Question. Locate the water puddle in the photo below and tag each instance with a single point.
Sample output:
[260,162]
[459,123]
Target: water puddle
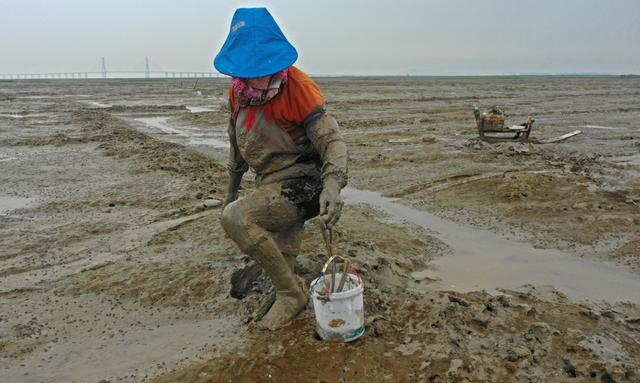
[53,96]
[4,158]
[482,260]
[98,104]
[210,141]
[159,123]
[9,203]
[184,136]
[199,109]
[43,97]
[631,160]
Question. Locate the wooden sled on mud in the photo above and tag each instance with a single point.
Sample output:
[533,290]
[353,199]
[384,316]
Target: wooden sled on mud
[491,126]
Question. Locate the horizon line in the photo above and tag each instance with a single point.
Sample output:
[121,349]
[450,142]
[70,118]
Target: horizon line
[28,76]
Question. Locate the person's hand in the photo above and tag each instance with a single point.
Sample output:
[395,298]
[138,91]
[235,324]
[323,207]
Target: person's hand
[330,202]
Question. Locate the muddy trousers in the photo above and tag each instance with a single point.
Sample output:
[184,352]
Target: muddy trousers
[267,226]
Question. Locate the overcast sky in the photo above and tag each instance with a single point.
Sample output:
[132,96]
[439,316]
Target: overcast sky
[430,37]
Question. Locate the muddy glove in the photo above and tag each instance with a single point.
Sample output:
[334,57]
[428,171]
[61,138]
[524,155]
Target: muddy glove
[237,165]
[330,202]
[322,131]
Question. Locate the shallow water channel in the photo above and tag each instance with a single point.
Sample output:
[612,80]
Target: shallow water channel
[482,260]
[185,135]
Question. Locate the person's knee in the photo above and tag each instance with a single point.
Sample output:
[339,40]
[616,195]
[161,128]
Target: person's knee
[232,220]
[241,229]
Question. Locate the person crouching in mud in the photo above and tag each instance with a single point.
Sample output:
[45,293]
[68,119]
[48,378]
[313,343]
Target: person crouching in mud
[279,129]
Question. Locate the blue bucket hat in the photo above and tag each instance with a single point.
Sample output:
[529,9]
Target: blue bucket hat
[255,46]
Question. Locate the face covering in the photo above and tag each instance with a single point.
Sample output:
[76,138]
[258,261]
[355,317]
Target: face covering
[248,95]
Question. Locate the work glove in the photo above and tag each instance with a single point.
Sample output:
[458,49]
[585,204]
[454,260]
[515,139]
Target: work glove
[330,202]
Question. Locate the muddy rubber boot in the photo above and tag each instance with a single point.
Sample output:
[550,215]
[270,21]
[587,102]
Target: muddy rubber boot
[242,279]
[291,261]
[289,242]
[290,298]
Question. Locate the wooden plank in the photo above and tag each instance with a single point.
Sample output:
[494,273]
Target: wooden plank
[561,138]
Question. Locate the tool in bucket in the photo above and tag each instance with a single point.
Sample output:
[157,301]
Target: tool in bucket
[338,305]
[329,284]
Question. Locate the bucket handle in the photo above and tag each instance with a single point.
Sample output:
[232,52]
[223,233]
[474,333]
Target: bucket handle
[327,235]
[325,295]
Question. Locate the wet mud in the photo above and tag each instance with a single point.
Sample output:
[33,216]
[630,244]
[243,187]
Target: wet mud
[511,262]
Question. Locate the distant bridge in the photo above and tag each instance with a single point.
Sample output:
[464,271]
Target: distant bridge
[104,74]
[110,74]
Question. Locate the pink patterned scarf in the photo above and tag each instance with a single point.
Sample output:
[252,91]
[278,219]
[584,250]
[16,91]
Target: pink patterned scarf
[247,95]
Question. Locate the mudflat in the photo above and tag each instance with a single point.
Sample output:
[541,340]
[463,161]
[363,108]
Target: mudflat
[507,262]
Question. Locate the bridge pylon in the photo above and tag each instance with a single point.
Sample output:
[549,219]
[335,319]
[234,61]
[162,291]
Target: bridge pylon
[103,68]
[147,70]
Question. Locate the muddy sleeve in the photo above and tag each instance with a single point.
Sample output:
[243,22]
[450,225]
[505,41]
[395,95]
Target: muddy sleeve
[237,164]
[322,130]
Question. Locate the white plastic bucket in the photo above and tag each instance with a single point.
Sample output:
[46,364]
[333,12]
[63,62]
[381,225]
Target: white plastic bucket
[341,316]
